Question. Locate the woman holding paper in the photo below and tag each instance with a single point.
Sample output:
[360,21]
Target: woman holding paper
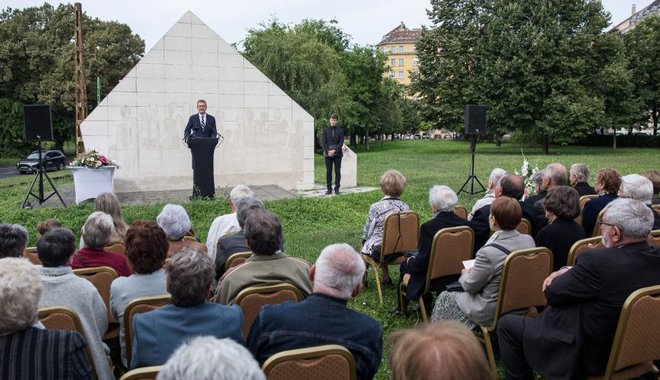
[481,283]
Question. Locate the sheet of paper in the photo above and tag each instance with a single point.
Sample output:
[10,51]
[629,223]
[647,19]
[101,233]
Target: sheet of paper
[468,263]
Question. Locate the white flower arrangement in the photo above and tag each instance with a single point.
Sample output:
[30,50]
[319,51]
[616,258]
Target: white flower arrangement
[526,172]
[93,160]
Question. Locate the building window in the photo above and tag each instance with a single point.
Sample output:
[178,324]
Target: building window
[400,49]
[393,62]
[400,61]
[415,61]
[400,73]
[392,49]
[392,74]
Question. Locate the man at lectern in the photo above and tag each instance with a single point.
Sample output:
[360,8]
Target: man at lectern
[200,124]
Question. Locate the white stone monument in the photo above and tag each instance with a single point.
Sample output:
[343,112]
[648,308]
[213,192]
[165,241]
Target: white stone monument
[268,138]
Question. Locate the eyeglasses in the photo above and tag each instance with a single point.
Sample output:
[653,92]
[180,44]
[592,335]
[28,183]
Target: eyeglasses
[601,223]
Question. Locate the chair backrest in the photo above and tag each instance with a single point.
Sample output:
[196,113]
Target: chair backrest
[522,280]
[101,278]
[450,247]
[634,342]
[586,198]
[328,362]
[582,245]
[138,306]
[599,218]
[252,298]
[524,227]
[654,238]
[400,233]
[190,238]
[237,259]
[31,254]
[461,211]
[116,247]
[656,207]
[64,318]
[144,373]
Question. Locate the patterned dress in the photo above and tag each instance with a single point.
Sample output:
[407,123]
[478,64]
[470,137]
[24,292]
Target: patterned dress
[373,229]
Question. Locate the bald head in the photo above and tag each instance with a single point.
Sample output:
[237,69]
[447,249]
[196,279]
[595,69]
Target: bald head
[555,175]
[512,186]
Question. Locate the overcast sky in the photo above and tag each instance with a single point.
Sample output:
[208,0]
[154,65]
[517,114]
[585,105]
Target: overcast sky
[365,20]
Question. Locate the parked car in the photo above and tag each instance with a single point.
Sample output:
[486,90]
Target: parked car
[52,159]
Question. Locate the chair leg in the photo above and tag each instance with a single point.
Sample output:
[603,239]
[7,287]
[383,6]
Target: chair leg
[489,351]
[378,287]
[365,278]
[422,309]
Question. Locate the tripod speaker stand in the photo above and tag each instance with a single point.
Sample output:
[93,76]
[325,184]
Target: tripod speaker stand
[472,178]
[475,124]
[37,125]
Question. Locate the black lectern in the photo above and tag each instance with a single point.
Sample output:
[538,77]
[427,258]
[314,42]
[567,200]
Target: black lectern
[202,156]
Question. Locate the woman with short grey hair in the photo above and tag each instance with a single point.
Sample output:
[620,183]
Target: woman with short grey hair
[96,233]
[174,220]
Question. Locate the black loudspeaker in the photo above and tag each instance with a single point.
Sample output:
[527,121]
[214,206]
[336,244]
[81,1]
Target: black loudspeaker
[475,119]
[38,124]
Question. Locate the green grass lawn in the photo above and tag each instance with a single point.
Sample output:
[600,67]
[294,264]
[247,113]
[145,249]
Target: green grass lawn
[310,224]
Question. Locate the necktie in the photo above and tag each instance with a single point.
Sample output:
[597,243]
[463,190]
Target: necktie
[203,122]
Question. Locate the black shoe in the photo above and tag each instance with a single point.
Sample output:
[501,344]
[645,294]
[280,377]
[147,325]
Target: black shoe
[337,192]
[329,192]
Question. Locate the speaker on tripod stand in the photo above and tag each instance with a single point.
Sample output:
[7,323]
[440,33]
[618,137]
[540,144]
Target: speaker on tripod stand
[39,127]
[475,125]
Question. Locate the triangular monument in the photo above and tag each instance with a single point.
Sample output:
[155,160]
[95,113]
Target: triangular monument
[268,138]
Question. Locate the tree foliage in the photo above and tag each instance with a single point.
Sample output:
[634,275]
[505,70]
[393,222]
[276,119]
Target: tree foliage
[37,61]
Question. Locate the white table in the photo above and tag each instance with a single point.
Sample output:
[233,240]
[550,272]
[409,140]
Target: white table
[89,183]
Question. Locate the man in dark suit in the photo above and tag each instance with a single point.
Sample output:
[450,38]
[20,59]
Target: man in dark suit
[442,200]
[200,124]
[573,337]
[333,141]
[639,188]
[512,186]
[579,177]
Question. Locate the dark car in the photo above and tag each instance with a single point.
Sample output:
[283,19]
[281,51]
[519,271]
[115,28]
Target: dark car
[52,159]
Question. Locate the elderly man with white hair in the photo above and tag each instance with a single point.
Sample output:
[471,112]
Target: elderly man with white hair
[442,200]
[573,336]
[579,179]
[175,222]
[323,317]
[489,197]
[29,352]
[227,224]
[639,188]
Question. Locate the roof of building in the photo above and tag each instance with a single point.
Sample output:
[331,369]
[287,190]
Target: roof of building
[401,34]
[630,23]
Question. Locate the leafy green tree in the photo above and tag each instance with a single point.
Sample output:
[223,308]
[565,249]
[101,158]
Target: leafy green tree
[643,48]
[37,59]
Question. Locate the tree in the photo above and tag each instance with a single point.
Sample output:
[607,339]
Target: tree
[37,59]
[643,47]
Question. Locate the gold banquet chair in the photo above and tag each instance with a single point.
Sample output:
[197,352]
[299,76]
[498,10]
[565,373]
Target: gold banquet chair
[597,227]
[636,341]
[582,245]
[138,306]
[521,289]
[101,278]
[237,259]
[524,227]
[116,247]
[252,298]
[31,254]
[461,211]
[327,362]
[654,238]
[400,235]
[144,373]
[450,247]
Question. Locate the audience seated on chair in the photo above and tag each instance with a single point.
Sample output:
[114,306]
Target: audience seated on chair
[63,288]
[607,186]
[442,200]
[554,174]
[392,184]
[323,317]
[158,333]
[438,350]
[226,224]
[639,188]
[235,243]
[579,179]
[562,206]
[209,358]
[13,240]
[268,264]
[511,186]
[174,220]
[146,251]
[109,204]
[96,234]
[489,197]
[539,190]
[654,176]
[572,338]
[475,305]
[28,352]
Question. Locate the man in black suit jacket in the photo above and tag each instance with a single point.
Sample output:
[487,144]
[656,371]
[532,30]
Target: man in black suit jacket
[579,175]
[573,337]
[512,186]
[200,124]
[333,141]
[442,199]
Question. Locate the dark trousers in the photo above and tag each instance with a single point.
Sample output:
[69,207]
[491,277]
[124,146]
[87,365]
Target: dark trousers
[329,161]
[510,331]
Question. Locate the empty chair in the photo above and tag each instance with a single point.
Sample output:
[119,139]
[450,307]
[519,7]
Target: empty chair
[328,362]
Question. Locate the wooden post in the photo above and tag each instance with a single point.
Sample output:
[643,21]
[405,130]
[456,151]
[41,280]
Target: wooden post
[81,87]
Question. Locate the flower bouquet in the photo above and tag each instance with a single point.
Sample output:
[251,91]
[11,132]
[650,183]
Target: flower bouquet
[526,172]
[93,160]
